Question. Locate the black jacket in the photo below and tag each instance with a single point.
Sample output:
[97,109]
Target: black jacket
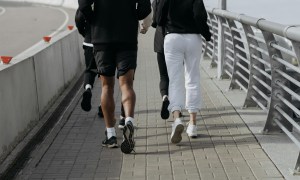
[159,32]
[183,17]
[84,27]
[114,21]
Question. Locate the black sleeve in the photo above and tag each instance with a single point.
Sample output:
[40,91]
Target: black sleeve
[85,6]
[143,9]
[80,22]
[200,16]
[154,23]
[162,10]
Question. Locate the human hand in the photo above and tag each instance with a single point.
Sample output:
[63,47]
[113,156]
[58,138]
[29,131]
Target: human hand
[143,29]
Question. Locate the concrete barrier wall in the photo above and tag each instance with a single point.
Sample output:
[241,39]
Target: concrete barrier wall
[64,3]
[18,102]
[33,81]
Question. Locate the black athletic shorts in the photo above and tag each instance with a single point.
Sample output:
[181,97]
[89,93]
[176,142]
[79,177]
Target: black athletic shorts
[108,61]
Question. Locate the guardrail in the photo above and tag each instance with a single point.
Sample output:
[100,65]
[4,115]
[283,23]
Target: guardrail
[261,58]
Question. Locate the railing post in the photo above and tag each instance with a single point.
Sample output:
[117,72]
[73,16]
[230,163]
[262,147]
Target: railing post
[255,75]
[271,125]
[221,50]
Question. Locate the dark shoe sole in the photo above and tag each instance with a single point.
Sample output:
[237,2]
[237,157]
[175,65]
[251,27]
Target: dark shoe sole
[121,123]
[176,138]
[164,113]
[86,101]
[127,145]
[110,145]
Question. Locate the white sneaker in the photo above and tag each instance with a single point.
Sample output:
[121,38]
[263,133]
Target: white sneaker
[191,130]
[177,129]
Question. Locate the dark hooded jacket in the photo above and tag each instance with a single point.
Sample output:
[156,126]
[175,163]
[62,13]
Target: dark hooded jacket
[115,22]
[84,28]
[183,17]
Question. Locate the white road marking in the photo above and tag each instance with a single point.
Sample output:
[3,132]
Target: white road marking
[2,10]
[64,24]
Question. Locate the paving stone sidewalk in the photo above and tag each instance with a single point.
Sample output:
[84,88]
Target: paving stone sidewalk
[224,149]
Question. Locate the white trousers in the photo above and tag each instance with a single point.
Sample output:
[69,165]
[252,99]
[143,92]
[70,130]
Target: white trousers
[182,54]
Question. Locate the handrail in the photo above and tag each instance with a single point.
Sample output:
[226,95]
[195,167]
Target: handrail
[288,31]
[263,59]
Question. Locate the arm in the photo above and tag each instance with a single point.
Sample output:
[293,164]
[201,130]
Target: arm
[146,23]
[80,22]
[200,16]
[85,6]
[154,23]
[143,9]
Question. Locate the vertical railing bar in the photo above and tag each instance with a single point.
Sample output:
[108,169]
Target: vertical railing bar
[228,73]
[241,66]
[241,85]
[229,57]
[242,58]
[256,38]
[286,63]
[290,105]
[289,134]
[258,103]
[288,90]
[261,60]
[242,76]
[262,83]
[263,72]
[241,49]
[262,94]
[289,52]
[288,77]
[259,49]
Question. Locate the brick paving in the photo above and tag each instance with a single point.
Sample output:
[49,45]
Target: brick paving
[224,149]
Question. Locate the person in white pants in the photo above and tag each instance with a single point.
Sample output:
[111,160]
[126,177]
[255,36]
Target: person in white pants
[183,52]
[185,22]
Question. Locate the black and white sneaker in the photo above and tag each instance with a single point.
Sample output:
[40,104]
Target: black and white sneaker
[164,113]
[111,142]
[128,143]
[86,100]
[121,122]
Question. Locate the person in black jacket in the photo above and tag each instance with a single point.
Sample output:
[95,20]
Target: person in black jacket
[162,67]
[114,36]
[84,28]
[90,73]
[184,22]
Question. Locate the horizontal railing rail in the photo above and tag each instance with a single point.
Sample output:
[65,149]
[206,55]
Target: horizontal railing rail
[261,58]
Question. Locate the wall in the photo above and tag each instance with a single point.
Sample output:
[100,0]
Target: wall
[33,81]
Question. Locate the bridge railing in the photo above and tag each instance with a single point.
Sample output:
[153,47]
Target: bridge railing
[261,58]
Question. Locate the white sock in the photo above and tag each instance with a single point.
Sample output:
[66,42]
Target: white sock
[178,120]
[88,86]
[110,132]
[164,97]
[129,119]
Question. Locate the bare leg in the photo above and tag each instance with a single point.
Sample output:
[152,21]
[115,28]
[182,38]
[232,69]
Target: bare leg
[107,100]
[193,117]
[128,94]
[176,114]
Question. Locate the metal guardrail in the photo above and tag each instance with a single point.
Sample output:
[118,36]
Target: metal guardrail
[261,58]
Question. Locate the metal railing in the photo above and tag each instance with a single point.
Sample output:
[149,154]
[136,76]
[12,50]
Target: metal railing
[261,58]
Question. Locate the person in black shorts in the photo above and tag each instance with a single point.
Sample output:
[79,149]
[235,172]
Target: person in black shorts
[115,47]
[90,73]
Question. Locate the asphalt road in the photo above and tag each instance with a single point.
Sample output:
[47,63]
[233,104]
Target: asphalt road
[22,25]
